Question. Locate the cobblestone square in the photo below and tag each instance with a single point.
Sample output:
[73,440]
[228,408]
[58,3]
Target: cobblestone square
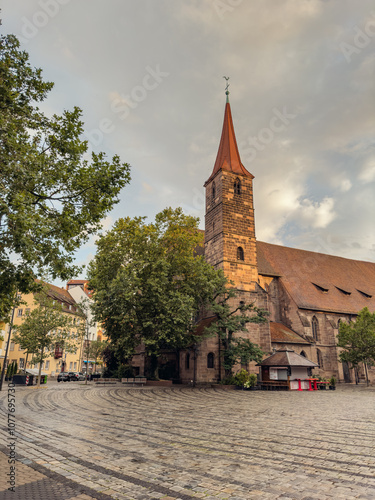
[113,442]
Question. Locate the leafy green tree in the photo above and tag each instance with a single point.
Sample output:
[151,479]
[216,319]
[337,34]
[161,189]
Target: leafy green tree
[53,194]
[357,340]
[149,284]
[94,350]
[229,322]
[43,328]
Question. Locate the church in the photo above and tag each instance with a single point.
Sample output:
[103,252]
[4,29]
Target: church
[307,294]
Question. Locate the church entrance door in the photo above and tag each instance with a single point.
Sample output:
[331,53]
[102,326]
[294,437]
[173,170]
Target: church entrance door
[345,369]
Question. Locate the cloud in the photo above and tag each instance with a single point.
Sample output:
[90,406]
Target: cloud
[311,181]
[367,173]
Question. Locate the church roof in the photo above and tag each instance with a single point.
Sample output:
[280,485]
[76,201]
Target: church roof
[318,281]
[228,156]
[287,357]
[281,333]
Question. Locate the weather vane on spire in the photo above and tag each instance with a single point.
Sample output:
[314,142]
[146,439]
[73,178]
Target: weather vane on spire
[227,86]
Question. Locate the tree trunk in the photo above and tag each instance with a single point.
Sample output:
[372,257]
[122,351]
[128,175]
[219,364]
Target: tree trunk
[226,345]
[40,366]
[367,381]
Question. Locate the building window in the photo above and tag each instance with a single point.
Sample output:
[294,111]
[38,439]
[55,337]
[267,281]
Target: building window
[19,312]
[240,254]
[210,360]
[47,365]
[27,311]
[71,365]
[213,191]
[237,186]
[302,353]
[11,346]
[187,361]
[75,365]
[22,362]
[315,328]
[319,358]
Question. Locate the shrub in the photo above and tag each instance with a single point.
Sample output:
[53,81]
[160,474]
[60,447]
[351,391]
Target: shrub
[241,377]
[230,380]
[332,381]
[125,371]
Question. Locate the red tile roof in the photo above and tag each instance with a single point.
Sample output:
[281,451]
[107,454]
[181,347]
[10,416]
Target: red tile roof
[281,333]
[228,157]
[60,294]
[350,284]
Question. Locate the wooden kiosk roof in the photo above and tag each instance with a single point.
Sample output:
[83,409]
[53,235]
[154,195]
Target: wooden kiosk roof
[287,357]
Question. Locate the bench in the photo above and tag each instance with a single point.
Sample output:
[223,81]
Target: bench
[104,381]
[134,380]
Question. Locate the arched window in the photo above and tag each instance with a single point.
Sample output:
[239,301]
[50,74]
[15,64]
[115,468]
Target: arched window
[302,353]
[240,254]
[210,360]
[315,328]
[237,186]
[319,358]
[213,190]
[187,361]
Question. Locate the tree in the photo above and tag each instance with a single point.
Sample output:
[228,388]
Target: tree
[53,195]
[357,340]
[94,350]
[149,284]
[43,328]
[229,321]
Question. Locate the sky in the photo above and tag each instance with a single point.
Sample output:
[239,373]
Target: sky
[148,76]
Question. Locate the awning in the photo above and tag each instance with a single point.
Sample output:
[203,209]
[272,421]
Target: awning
[35,371]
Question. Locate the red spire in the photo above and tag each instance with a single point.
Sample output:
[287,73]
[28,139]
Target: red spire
[228,157]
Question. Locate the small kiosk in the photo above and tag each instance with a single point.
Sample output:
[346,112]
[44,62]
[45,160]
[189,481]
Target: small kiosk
[286,370]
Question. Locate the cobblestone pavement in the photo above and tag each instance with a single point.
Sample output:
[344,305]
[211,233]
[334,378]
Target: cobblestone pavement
[82,442]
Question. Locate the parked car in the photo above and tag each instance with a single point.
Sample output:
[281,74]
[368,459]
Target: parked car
[63,377]
[80,376]
[73,376]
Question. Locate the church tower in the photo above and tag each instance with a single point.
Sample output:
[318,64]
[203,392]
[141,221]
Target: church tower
[230,242]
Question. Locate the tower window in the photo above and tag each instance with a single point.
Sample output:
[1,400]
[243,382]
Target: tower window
[237,186]
[315,328]
[240,254]
[210,360]
[213,190]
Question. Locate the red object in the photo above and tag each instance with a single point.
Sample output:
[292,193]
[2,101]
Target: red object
[299,384]
[58,352]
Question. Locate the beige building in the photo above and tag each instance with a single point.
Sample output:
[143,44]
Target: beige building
[59,361]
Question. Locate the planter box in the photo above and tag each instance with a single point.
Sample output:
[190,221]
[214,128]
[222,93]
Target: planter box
[159,383]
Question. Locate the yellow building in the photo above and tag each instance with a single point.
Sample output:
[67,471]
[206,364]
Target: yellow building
[57,362]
